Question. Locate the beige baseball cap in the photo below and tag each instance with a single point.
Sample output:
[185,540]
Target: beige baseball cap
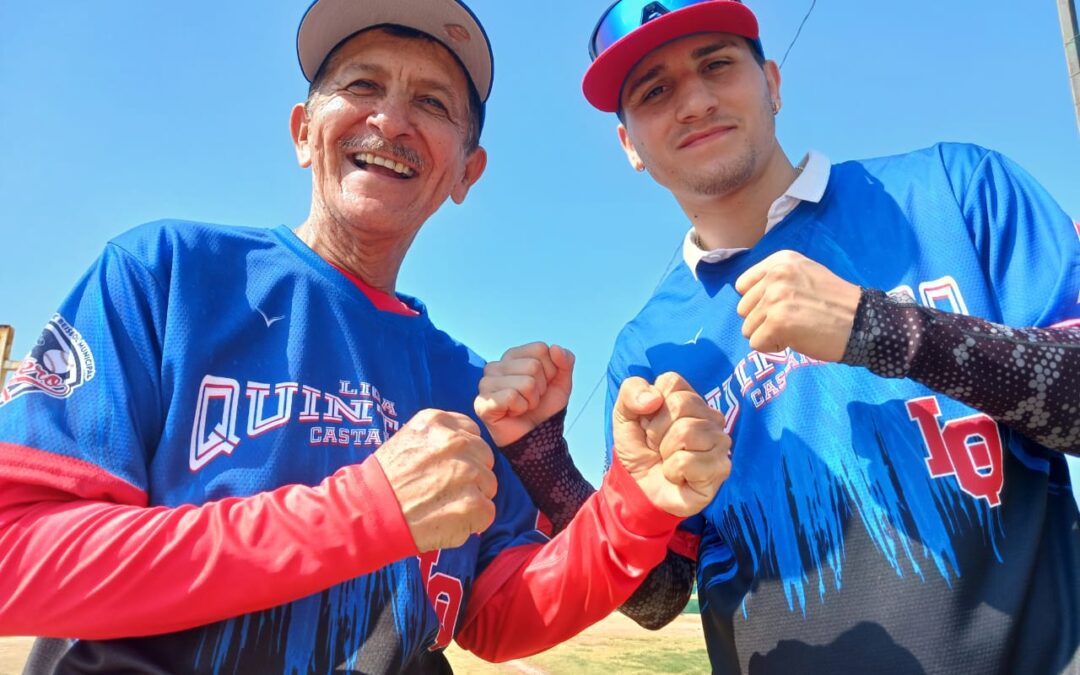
[328,22]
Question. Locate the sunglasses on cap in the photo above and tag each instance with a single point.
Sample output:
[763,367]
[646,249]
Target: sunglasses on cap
[626,16]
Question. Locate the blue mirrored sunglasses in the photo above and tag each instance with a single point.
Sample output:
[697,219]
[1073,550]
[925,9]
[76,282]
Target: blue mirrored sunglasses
[624,16]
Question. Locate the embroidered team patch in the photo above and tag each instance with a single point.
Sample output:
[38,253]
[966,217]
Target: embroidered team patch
[59,364]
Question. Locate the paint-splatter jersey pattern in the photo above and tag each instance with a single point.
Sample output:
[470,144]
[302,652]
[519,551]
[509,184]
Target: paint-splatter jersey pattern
[871,524]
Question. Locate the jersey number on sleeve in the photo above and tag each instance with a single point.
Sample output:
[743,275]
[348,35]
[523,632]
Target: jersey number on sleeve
[445,593]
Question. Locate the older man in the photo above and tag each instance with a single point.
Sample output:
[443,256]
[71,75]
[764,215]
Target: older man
[239,450]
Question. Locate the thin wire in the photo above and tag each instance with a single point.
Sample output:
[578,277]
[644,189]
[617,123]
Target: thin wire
[586,404]
[798,32]
[667,270]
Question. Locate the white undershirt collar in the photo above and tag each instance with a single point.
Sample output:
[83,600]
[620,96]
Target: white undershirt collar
[808,186]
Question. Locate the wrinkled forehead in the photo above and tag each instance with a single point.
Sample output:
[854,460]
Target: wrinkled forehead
[393,47]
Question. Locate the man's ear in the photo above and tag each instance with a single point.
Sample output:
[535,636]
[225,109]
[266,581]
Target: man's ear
[628,147]
[298,127]
[772,78]
[474,168]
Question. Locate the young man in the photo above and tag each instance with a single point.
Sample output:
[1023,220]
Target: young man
[870,523]
[237,450]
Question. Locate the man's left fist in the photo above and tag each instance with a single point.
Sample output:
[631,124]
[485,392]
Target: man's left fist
[791,301]
[526,386]
[671,442]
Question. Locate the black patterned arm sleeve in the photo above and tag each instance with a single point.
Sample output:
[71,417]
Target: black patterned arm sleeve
[1025,378]
[541,459]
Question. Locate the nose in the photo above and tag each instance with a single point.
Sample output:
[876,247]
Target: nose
[696,100]
[391,117]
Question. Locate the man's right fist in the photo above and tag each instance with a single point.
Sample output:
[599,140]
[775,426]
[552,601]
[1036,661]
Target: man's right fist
[441,472]
[671,442]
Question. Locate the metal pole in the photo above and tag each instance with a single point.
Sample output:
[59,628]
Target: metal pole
[7,336]
[1067,11]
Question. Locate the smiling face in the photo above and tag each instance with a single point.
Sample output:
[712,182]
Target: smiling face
[698,114]
[386,134]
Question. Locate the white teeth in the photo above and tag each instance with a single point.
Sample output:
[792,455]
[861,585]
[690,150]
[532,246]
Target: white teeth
[398,167]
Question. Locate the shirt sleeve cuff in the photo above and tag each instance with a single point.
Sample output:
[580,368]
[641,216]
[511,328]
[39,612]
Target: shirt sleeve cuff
[381,519]
[631,507]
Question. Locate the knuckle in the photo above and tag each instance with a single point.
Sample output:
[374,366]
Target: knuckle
[783,322]
[681,430]
[456,438]
[785,270]
[534,368]
[772,294]
[629,387]
[537,347]
[426,416]
[530,386]
[724,473]
[486,514]
[667,378]
[486,457]
[685,403]
[463,508]
[483,405]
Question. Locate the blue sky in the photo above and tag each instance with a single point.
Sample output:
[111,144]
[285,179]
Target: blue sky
[116,113]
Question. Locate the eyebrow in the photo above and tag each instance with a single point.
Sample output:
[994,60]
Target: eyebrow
[658,70]
[437,86]
[440,87]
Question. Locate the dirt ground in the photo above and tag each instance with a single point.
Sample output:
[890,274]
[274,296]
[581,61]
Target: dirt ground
[13,653]
[614,646]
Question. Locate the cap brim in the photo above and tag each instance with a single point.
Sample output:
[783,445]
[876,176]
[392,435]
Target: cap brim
[604,79]
[328,22]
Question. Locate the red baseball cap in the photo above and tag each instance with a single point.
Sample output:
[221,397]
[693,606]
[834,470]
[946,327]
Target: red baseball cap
[630,29]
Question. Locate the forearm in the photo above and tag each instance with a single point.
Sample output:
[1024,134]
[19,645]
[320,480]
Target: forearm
[664,593]
[533,597]
[1025,378]
[541,459]
[75,565]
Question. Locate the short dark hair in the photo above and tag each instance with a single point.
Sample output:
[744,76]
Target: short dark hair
[476,106]
[755,49]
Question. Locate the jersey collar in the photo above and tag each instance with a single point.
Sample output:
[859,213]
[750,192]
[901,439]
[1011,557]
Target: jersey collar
[808,186]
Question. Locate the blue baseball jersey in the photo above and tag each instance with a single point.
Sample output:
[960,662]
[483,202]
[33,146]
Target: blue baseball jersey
[199,363]
[871,524]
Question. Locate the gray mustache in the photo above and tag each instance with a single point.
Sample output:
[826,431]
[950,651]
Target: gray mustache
[381,146]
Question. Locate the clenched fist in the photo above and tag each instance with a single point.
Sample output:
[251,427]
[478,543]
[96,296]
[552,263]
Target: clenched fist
[441,472]
[526,386]
[671,442]
[791,301]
